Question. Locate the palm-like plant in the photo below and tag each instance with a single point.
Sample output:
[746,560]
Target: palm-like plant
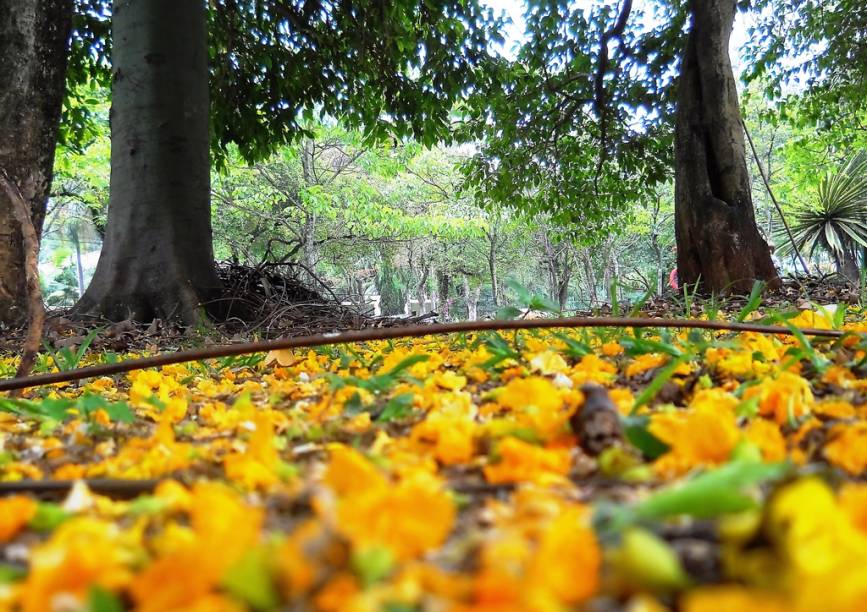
[837,223]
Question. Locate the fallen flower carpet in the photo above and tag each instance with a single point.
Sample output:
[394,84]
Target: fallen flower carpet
[603,469]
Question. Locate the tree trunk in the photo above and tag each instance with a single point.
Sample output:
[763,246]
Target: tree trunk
[492,267]
[34,41]
[392,299]
[847,264]
[471,296]
[591,277]
[443,284]
[659,281]
[157,259]
[609,277]
[309,229]
[614,288]
[563,282]
[79,268]
[718,243]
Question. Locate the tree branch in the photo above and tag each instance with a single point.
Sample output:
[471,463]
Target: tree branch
[600,102]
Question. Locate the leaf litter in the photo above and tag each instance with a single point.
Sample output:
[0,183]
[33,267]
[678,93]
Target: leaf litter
[544,470]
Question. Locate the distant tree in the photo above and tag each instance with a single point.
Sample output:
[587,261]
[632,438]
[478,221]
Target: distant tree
[810,56]
[34,37]
[582,125]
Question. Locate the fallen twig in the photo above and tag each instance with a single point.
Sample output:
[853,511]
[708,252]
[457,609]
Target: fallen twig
[111,487]
[389,333]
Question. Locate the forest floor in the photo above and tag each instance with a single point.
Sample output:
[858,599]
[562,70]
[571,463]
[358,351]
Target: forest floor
[601,469]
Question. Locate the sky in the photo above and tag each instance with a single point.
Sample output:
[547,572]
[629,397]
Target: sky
[513,33]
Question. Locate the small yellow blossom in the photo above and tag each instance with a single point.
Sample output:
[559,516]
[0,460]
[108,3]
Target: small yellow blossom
[645,362]
[549,363]
[520,461]
[612,349]
[784,398]
[732,599]
[699,436]
[82,552]
[847,447]
[15,512]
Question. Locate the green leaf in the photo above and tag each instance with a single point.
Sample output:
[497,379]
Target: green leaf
[49,409]
[397,407]
[508,313]
[748,408]
[636,308]
[650,391]
[120,412]
[48,517]
[146,505]
[249,580]
[117,411]
[642,346]
[574,348]
[11,573]
[524,295]
[543,304]
[101,600]
[406,363]
[372,564]
[353,405]
[753,302]
[636,431]
[712,493]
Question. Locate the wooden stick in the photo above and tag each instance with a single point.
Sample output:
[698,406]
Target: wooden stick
[390,333]
[116,488]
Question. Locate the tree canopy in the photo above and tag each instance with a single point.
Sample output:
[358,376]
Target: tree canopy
[393,69]
[811,57]
[579,123]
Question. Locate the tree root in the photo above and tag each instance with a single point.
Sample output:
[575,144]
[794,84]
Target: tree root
[35,306]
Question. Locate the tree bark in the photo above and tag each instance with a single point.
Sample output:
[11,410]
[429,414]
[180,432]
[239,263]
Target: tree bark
[847,264]
[34,42]
[471,297]
[309,255]
[492,265]
[591,277]
[718,243]
[157,259]
[443,285]
[563,282]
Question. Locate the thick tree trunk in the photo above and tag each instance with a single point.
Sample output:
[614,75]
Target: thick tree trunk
[157,259]
[718,242]
[34,40]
